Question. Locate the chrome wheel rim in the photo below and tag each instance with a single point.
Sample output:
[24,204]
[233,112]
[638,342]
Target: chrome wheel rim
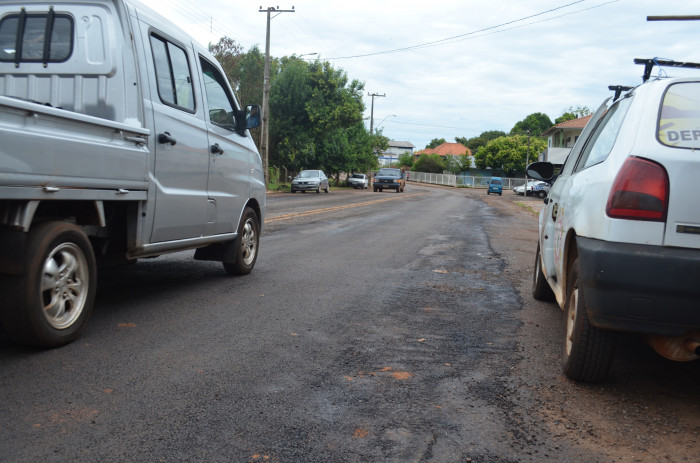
[248,242]
[64,285]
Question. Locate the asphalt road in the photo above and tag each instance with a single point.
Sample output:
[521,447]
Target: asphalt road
[375,327]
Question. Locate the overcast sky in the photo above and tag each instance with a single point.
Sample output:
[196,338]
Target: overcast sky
[458,68]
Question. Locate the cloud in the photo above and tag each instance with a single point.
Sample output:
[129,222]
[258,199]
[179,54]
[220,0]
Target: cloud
[481,81]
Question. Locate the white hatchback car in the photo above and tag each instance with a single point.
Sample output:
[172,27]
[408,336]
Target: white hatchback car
[619,236]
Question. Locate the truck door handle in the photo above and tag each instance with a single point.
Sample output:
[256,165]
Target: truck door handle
[216,149]
[166,138]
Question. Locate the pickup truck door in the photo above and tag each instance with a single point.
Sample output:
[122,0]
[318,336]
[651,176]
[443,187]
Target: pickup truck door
[229,164]
[181,149]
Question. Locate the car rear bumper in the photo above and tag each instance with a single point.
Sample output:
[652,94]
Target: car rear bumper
[640,288]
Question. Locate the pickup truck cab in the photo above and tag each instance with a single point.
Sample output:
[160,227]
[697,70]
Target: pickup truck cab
[121,139]
[389,178]
[619,236]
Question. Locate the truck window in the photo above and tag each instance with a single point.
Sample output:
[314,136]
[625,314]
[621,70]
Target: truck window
[23,37]
[220,103]
[172,74]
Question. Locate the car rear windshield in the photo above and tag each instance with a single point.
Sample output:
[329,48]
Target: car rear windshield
[495,182]
[679,121]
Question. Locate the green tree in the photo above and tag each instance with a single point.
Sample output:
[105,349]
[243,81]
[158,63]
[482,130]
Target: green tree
[435,142]
[453,164]
[508,154]
[573,113]
[564,117]
[477,142]
[432,163]
[535,124]
[316,119]
[406,160]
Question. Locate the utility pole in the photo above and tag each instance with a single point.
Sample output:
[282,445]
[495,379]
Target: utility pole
[371,130]
[265,129]
[371,114]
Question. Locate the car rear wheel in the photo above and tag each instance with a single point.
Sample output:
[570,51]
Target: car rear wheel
[542,194]
[588,351]
[52,299]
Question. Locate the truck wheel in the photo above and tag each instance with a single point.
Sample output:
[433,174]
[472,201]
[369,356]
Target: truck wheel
[588,351]
[540,288]
[247,250]
[53,299]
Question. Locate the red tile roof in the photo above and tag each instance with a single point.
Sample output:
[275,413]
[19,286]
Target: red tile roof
[446,149]
[579,123]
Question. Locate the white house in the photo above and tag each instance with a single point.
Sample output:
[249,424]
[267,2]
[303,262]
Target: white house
[561,139]
[395,149]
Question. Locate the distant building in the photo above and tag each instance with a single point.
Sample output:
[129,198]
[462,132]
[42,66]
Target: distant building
[561,139]
[395,149]
[448,149]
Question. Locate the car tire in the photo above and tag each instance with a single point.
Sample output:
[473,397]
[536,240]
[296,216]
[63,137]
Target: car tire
[540,288]
[588,351]
[500,194]
[325,190]
[52,299]
[318,190]
[488,192]
[247,246]
[542,194]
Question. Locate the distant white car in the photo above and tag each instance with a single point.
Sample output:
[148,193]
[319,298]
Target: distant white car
[358,181]
[534,187]
[619,236]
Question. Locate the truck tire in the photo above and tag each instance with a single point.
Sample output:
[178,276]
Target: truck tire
[588,351]
[540,288]
[247,249]
[53,299]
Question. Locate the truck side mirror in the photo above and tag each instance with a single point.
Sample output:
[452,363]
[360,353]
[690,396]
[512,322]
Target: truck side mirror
[541,171]
[252,116]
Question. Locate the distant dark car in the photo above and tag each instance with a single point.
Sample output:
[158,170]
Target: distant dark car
[391,179]
[310,180]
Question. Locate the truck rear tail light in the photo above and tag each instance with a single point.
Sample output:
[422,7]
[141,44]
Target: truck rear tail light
[640,191]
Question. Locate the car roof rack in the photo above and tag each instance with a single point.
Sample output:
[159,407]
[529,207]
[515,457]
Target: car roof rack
[651,62]
[618,89]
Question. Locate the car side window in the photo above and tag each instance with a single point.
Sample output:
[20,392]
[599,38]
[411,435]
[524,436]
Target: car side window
[603,137]
[221,105]
[173,76]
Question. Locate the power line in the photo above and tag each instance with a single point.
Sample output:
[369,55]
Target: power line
[473,33]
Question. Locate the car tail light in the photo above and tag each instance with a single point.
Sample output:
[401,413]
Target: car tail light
[640,191]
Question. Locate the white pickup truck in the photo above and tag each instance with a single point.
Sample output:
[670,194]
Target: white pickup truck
[120,138]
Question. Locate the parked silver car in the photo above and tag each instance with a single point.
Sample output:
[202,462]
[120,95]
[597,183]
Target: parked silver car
[534,187]
[358,181]
[310,180]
